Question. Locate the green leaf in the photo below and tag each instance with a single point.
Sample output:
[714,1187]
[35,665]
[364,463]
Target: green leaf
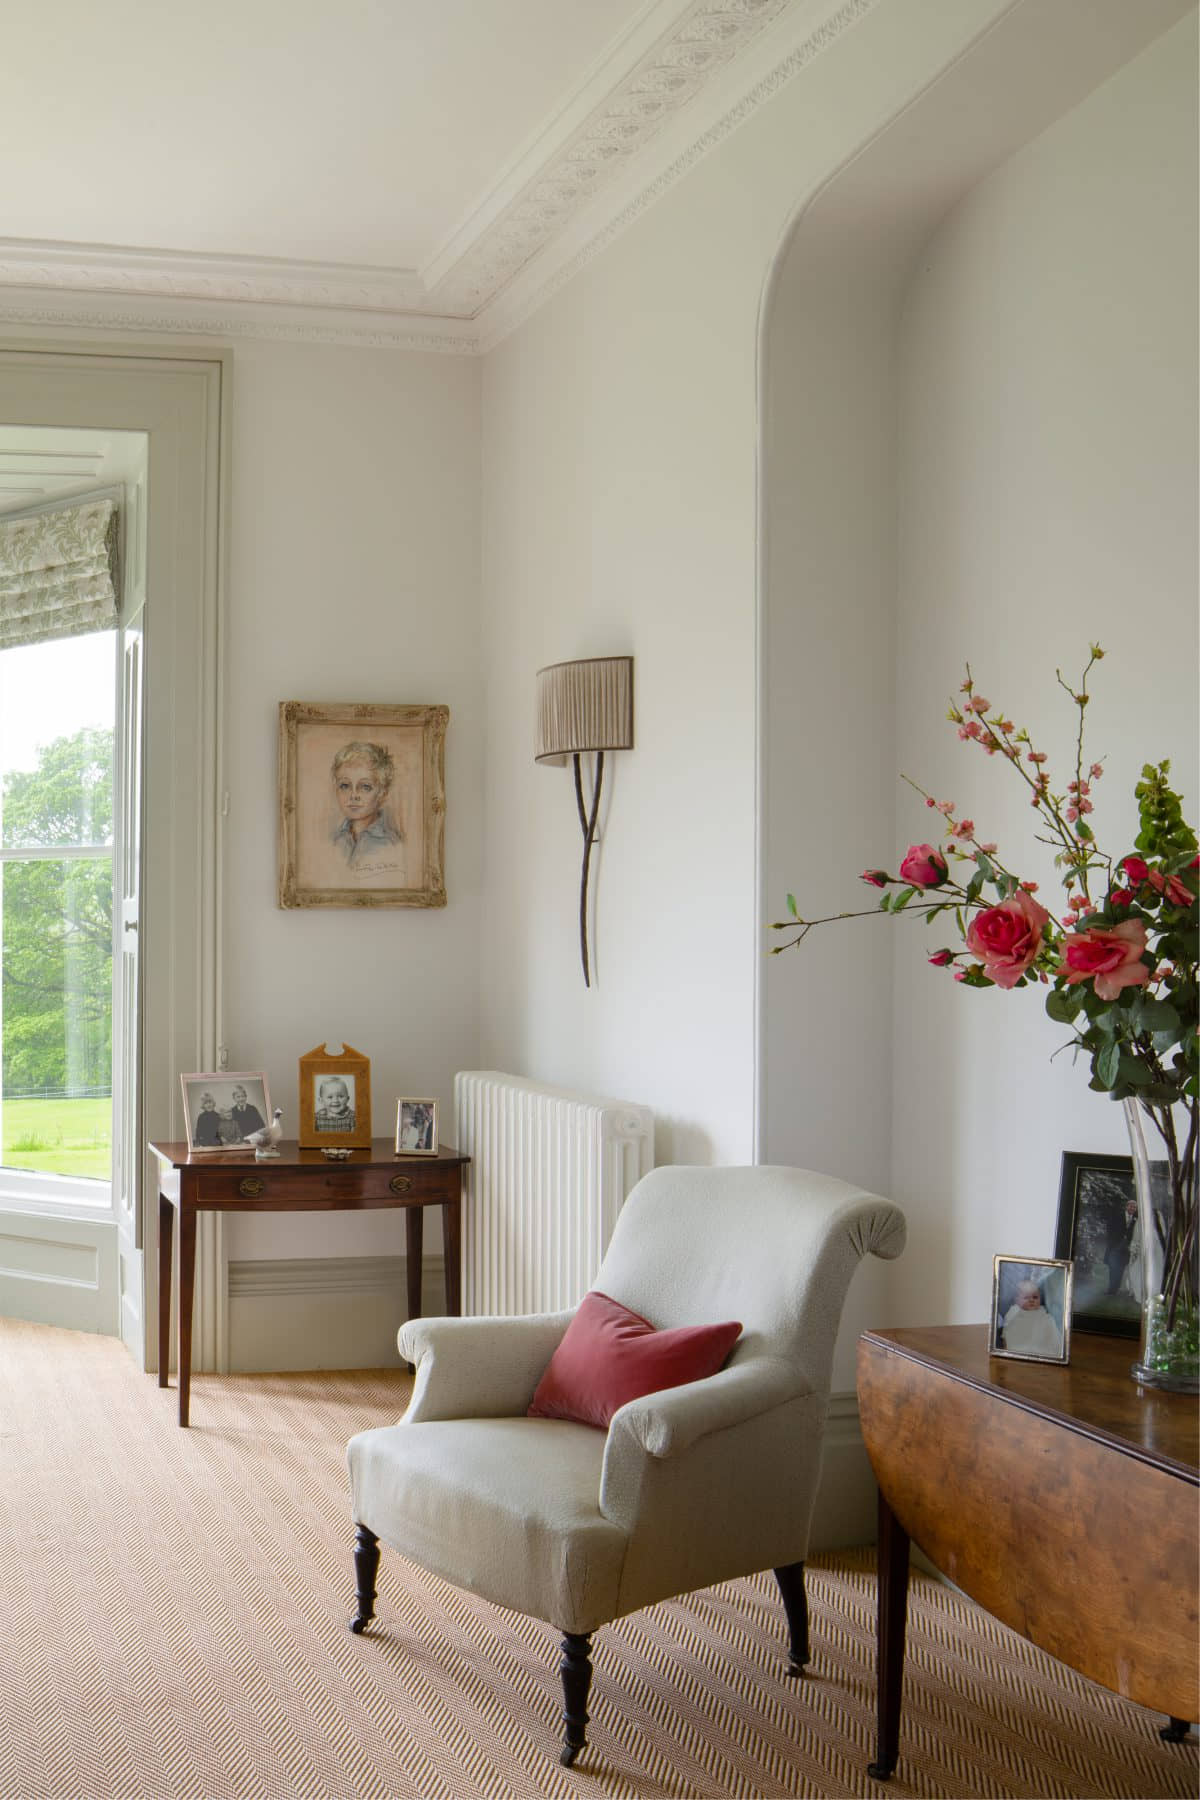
[1107,1064]
[791,905]
[1132,1070]
[1154,1015]
[1063,1004]
[902,898]
[974,886]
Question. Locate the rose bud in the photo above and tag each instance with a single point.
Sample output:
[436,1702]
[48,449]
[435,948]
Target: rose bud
[924,866]
[876,877]
[940,958]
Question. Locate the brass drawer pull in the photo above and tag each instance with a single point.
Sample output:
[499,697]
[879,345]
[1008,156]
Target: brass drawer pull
[400,1184]
[251,1187]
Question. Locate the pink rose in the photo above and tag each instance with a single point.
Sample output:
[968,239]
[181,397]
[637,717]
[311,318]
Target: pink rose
[876,877]
[1136,869]
[924,866]
[1110,957]
[1007,938]
[1177,892]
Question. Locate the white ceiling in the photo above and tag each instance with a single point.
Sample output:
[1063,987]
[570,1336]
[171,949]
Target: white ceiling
[404,157]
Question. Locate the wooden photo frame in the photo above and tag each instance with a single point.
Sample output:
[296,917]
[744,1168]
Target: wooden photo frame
[335,1099]
[362,804]
[416,1127]
[221,1109]
[1031,1309]
[1098,1230]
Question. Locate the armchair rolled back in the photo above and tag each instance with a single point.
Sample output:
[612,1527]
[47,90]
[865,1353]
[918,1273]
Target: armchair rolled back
[772,1246]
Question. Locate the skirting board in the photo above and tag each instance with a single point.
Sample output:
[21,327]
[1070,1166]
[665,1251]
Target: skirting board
[338,1312]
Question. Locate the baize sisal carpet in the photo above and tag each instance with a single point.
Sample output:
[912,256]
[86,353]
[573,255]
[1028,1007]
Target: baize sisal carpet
[173,1622]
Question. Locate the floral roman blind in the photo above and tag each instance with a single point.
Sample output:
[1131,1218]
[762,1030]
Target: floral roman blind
[57,573]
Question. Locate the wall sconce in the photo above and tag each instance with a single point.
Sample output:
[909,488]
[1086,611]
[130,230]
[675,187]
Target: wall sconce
[584,707]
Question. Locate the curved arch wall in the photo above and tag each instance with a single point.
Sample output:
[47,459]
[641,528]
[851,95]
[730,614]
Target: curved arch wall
[979,403]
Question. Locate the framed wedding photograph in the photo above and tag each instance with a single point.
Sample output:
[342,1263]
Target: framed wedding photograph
[362,804]
[416,1127]
[1031,1309]
[1098,1230]
[335,1099]
[222,1109]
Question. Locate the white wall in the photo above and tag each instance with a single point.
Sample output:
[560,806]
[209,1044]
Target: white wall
[1048,483]
[354,575]
[981,444]
[620,515]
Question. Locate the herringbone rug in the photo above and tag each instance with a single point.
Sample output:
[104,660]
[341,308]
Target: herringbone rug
[173,1610]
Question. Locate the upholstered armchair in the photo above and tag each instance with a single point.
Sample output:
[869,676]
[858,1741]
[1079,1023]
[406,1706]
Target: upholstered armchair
[688,1486]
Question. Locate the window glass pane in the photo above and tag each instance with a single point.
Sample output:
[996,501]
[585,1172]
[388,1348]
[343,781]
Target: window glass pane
[56,1015]
[57,704]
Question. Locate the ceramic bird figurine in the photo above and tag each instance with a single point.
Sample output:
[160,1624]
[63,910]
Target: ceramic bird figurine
[266,1141]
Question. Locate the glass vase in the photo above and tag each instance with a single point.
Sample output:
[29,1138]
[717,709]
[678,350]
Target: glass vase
[1163,1140]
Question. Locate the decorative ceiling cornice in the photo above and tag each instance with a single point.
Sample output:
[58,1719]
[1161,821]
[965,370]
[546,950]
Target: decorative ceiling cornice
[520,246]
[691,56]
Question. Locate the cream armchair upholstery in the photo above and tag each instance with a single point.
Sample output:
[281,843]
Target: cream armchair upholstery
[687,1487]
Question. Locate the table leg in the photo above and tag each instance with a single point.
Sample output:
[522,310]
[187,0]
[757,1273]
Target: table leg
[187,1283]
[893,1611]
[414,1224]
[452,1239]
[166,1229]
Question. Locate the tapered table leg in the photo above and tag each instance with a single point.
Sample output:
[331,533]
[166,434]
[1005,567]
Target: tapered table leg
[166,1229]
[414,1227]
[452,1241]
[893,1612]
[187,1284]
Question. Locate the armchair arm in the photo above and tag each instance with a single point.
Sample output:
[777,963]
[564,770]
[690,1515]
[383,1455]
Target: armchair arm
[670,1422]
[483,1368]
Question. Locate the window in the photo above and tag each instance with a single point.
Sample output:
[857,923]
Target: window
[57,704]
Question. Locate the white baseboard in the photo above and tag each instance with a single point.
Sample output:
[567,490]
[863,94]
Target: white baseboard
[332,1312]
[846,1510]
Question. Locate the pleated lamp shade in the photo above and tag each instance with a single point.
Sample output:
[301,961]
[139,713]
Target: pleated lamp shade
[586,705]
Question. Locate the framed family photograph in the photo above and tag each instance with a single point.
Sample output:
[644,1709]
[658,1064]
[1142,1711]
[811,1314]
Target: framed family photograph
[362,804]
[1098,1230]
[335,1099]
[221,1110]
[416,1127]
[1031,1309]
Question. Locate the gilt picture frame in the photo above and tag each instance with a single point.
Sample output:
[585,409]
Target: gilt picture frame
[362,804]
[335,1099]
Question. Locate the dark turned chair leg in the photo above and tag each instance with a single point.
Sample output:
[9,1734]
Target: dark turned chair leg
[1175,1730]
[366,1566]
[795,1605]
[576,1671]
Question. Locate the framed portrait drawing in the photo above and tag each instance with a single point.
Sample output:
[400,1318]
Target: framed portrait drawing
[221,1110]
[1098,1230]
[416,1127]
[362,804]
[335,1099]
[1031,1309]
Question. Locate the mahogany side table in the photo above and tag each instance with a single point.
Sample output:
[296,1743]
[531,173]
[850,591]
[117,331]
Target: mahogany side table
[297,1181]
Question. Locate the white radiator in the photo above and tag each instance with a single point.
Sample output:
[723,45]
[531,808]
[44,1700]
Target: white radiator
[549,1172]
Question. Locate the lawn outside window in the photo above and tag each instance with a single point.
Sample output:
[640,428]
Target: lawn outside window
[56,905]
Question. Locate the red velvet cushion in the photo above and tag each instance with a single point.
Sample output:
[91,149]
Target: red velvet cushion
[609,1355]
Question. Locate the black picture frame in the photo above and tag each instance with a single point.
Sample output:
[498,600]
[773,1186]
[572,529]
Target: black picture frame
[1098,1231]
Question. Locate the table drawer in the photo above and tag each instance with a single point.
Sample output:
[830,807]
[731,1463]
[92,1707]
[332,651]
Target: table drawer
[323,1189]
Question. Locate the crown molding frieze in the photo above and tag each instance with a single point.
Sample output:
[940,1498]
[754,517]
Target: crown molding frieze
[686,93]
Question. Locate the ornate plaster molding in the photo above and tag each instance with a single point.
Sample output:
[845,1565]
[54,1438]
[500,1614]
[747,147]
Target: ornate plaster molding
[693,54]
[552,272]
[579,197]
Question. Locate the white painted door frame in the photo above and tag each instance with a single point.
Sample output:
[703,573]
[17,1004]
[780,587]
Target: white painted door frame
[180,398]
